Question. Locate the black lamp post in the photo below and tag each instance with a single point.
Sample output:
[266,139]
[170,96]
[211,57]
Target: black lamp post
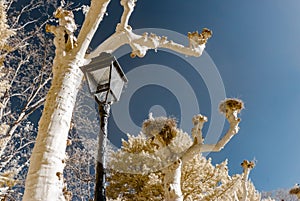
[105,80]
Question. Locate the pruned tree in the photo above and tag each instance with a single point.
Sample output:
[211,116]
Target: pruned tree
[48,157]
[165,163]
[25,79]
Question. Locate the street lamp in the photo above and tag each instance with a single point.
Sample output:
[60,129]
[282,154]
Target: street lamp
[105,80]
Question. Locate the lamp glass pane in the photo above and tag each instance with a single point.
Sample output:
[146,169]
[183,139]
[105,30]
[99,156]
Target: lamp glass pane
[116,83]
[102,96]
[111,98]
[91,82]
[97,78]
[101,75]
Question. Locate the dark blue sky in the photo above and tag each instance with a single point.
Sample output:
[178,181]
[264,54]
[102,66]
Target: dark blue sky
[255,47]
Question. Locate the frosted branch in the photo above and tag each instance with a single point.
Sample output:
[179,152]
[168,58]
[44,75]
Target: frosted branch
[247,167]
[230,108]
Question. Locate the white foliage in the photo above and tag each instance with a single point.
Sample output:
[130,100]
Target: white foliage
[160,157]
[5,32]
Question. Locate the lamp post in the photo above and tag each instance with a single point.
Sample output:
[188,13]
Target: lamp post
[105,80]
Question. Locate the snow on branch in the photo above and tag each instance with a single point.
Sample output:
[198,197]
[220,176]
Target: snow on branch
[140,44]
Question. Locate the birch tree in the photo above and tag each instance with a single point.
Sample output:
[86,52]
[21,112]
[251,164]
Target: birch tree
[44,180]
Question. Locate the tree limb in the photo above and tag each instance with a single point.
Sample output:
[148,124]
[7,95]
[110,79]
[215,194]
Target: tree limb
[141,43]
[231,108]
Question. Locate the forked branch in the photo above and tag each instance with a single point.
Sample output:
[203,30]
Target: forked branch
[230,108]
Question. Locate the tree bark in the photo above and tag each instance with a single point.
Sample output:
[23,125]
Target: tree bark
[247,166]
[172,179]
[44,181]
[231,108]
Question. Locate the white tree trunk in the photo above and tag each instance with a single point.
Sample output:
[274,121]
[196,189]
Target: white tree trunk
[172,181]
[247,166]
[230,108]
[44,181]
[245,187]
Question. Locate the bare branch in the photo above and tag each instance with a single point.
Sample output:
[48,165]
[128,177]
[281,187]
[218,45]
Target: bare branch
[141,44]
[231,108]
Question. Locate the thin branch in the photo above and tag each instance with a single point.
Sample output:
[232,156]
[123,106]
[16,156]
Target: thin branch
[25,24]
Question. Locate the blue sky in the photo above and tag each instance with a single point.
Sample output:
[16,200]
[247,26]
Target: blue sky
[255,47]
